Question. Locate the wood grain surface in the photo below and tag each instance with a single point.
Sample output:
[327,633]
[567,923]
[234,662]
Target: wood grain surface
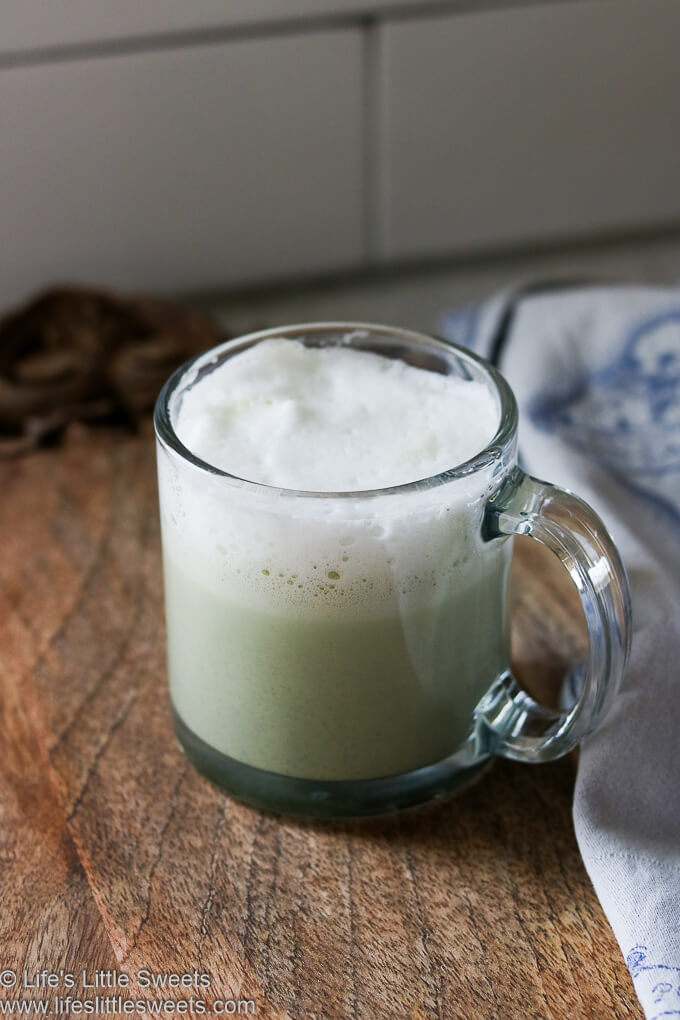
[116,853]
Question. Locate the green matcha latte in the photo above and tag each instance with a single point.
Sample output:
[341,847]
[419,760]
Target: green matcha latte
[321,636]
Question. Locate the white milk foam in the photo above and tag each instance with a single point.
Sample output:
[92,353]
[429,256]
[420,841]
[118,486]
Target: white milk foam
[329,419]
[333,419]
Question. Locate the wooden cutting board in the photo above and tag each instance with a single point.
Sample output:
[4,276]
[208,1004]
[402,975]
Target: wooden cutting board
[116,854]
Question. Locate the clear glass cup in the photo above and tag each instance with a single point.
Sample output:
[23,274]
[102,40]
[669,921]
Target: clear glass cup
[347,653]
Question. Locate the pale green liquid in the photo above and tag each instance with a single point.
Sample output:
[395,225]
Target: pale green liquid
[319,695]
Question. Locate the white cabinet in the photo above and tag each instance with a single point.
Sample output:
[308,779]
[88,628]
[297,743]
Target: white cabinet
[500,127]
[169,146]
[183,168]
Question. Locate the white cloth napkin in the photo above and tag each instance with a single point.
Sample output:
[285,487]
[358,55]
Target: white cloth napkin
[596,372]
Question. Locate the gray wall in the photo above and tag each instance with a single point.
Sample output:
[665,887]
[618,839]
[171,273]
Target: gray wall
[173,146]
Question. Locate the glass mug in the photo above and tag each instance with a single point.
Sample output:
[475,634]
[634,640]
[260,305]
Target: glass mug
[341,654]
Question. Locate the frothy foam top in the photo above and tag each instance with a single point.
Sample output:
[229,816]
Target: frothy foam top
[332,419]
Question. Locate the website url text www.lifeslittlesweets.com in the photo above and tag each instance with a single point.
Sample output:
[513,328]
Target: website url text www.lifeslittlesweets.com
[117,1005]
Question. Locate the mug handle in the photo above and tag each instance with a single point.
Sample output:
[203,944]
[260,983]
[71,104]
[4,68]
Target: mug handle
[515,725]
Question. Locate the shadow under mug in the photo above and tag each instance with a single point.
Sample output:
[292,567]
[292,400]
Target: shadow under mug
[342,654]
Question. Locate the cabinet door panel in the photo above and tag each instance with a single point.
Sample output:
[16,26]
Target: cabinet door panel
[183,169]
[539,122]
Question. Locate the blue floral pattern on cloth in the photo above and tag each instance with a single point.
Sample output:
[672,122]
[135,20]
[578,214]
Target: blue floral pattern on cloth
[657,984]
[626,415]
